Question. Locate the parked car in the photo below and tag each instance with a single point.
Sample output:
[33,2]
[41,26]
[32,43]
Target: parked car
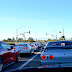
[8,55]
[57,52]
[24,48]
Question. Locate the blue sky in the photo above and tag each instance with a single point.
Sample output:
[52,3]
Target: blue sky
[38,16]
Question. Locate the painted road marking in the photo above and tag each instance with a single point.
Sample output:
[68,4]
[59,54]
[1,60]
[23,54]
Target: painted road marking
[24,63]
[28,61]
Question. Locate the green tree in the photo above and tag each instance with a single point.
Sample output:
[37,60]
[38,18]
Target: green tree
[49,40]
[31,39]
[8,40]
[38,41]
[4,40]
[20,39]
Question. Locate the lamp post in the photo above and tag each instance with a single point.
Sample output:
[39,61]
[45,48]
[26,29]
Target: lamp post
[16,32]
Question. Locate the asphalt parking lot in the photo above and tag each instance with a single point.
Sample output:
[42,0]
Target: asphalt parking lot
[25,61]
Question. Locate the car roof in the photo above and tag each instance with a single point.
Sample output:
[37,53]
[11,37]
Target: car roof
[61,41]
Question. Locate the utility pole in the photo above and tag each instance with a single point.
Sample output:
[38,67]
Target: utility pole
[63,33]
[17,30]
[24,36]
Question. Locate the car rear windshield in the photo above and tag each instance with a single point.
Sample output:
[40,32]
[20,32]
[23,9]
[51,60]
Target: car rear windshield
[25,45]
[53,44]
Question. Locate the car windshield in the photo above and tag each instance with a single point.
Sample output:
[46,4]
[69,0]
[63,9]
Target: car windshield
[35,33]
[53,44]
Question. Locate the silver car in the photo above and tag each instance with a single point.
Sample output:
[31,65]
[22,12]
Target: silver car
[24,48]
[57,52]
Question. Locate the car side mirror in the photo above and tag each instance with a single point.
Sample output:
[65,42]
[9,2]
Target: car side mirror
[11,47]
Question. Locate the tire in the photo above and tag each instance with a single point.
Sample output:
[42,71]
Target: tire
[1,64]
[17,58]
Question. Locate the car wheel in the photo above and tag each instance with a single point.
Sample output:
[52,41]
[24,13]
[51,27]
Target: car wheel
[17,58]
[1,64]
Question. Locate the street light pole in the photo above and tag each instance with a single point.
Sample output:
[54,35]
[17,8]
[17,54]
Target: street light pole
[16,32]
[63,31]
[24,36]
[16,35]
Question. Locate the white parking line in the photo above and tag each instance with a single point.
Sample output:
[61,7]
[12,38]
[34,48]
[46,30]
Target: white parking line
[27,61]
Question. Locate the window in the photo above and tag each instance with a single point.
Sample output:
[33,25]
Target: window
[53,44]
[25,45]
[5,46]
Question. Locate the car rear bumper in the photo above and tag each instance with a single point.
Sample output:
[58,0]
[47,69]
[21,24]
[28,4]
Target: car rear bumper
[46,62]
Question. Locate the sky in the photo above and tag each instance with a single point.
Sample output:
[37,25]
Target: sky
[37,16]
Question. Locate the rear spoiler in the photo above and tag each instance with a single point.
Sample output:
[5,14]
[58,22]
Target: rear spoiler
[58,47]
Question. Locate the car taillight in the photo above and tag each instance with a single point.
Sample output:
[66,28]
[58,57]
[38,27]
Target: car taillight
[19,45]
[44,57]
[45,66]
[51,57]
[52,65]
[14,48]
[26,47]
